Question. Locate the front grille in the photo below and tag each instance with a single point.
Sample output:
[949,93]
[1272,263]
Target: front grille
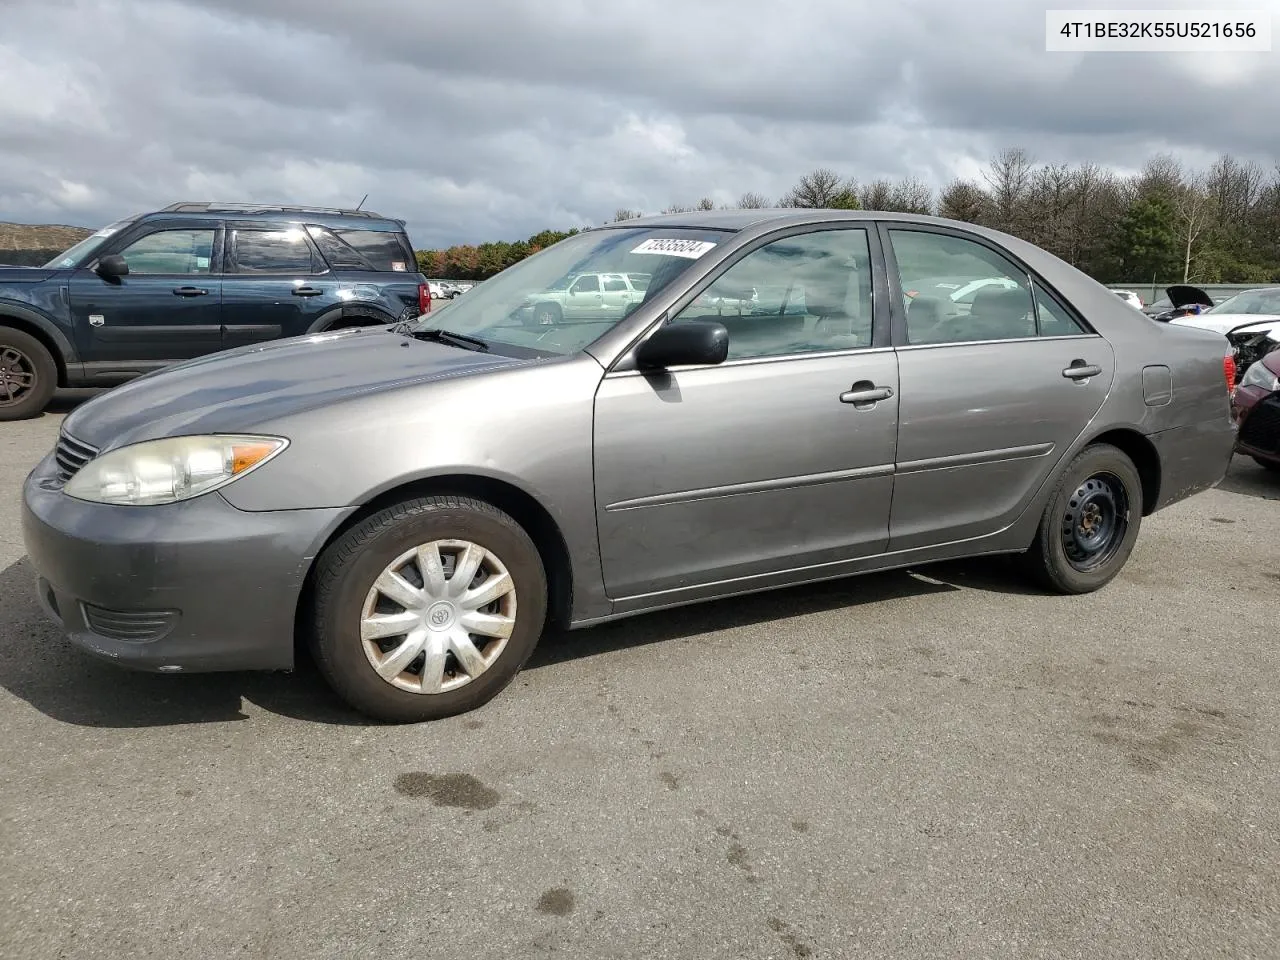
[135,626]
[1261,428]
[71,455]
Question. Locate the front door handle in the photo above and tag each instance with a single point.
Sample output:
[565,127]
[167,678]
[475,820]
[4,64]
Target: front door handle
[307,291]
[1079,370]
[866,392]
[189,291]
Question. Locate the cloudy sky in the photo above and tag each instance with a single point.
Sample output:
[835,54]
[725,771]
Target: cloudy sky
[492,119]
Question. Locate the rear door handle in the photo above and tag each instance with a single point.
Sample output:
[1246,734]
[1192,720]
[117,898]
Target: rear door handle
[190,291]
[1079,370]
[307,291]
[861,394]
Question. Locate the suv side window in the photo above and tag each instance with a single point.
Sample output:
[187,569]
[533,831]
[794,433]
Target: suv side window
[801,294]
[961,291]
[615,284]
[272,251]
[171,253]
[586,284]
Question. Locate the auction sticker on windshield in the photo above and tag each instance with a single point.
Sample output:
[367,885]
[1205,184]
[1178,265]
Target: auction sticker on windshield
[692,249]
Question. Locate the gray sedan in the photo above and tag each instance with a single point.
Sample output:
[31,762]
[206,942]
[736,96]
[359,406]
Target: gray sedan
[422,502]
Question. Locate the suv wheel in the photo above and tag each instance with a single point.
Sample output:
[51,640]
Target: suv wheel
[28,375]
[1090,524]
[428,608]
[545,314]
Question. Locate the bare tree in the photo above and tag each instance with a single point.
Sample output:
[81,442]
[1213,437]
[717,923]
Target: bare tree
[911,196]
[1194,206]
[753,201]
[876,195]
[963,200]
[1048,213]
[706,203]
[821,188]
[1009,176]
[622,213]
[676,208]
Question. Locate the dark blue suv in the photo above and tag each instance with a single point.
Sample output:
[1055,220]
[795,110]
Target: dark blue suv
[192,279]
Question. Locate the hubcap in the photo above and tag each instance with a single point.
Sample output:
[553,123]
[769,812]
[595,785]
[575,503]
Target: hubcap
[438,616]
[17,375]
[1095,521]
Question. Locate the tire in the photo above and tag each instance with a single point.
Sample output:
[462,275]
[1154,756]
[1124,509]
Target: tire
[28,375]
[545,314]
[1058,559]
[344,583]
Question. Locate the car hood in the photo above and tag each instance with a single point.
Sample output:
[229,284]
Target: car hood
[11,274]
[239,389]
[1182,295]
[1224,323]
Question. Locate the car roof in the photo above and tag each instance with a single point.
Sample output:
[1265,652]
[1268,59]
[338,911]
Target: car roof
[323,216]
[735,220]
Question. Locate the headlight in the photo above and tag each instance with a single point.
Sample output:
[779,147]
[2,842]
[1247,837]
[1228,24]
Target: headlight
[169,470]
[1259,376]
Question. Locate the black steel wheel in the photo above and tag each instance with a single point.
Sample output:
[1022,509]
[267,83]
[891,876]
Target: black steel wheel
[1090,522]
[28,375]
[1095,521]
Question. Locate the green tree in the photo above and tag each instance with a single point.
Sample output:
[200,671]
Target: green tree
[1145,243]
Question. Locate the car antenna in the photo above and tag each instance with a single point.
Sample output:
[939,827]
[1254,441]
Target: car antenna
[362,200]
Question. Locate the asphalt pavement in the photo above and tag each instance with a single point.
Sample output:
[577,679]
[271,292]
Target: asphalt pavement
[937,763]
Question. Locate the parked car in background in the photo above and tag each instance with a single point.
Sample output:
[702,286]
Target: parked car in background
[1250,321]
[193,279]
[586,296]
[1129,297]
[1256,408]
[1180,300]
[420,502]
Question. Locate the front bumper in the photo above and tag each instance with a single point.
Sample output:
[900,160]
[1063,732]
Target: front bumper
[1257,411]
[193,586]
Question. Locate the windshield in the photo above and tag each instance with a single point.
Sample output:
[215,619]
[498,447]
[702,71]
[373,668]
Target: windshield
[73,256]
[1251,301]
[570,294]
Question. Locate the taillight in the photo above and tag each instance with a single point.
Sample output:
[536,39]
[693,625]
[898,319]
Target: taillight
[1229,369]
[424,298]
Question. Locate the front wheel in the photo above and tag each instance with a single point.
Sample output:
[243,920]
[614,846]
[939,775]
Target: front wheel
[28,375]
[427,609]
[1090,523]
[545,314]
[1271,465]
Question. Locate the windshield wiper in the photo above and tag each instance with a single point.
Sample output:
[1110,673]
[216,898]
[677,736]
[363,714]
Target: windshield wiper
[451,338]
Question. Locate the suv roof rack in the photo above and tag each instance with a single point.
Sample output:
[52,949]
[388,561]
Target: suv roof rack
[212,206]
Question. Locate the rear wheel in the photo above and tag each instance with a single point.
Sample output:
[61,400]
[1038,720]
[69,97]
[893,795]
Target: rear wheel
[1090,523]
[28,375]
[428,608]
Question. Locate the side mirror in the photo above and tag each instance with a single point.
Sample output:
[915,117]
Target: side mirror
[692,342]
[112,266]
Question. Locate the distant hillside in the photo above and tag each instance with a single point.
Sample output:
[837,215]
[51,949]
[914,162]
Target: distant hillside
[31,244]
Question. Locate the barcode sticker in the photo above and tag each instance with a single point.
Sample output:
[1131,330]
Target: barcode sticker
[692,249]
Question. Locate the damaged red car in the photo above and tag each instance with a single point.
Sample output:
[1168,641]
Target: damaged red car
[1256,408]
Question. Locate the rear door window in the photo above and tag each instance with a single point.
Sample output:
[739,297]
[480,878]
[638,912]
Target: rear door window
[385,251]
[273,251]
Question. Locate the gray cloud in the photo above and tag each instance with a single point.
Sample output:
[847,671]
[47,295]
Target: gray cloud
[498,118]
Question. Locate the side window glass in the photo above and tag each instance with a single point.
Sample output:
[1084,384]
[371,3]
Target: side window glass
[587,284]
[615,284]
[1054,321]
[959,291]
[272,251]
[171,252]
[802,294]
